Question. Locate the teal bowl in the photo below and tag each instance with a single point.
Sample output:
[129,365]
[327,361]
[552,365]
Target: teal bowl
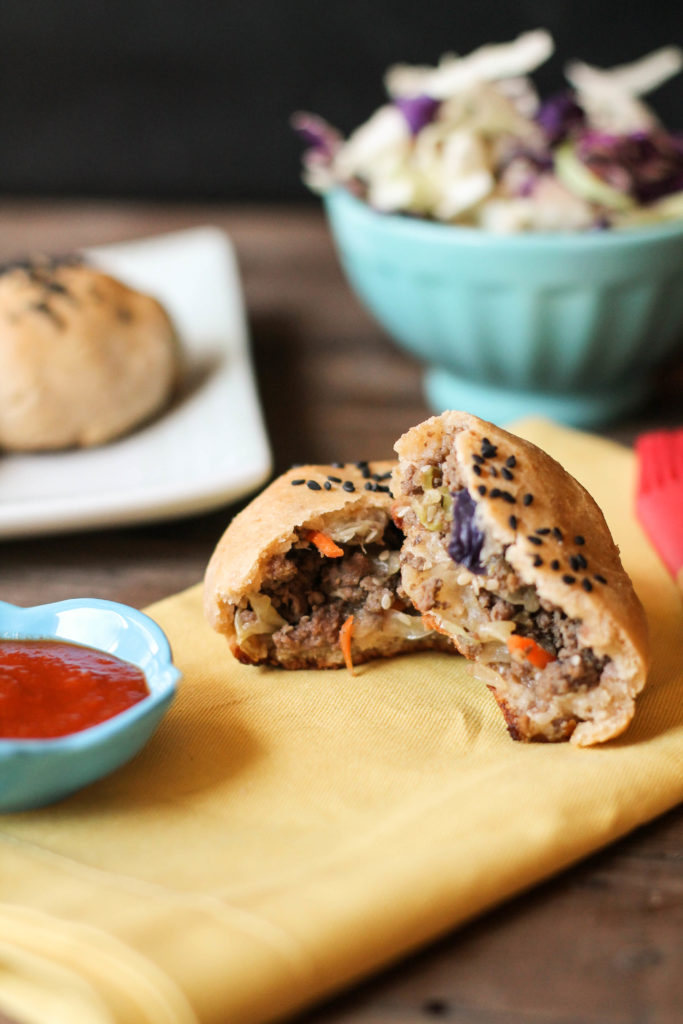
[38,772]
[572,326]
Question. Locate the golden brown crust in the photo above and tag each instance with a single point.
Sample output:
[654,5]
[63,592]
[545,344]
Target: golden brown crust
[271,524]
[83,357]
[555,537]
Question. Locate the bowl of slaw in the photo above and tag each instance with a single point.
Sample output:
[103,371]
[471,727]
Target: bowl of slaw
[528,253]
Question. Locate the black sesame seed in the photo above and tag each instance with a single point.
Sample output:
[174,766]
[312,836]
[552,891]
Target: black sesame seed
[370,486]
[542,530]
[297,483]
[348,485]
[495,492]
[512,520]
[478,458]
[568,578]
[482,489]
[527,499]
[586,584]
[537,560]
[507,474]
[488,450]
[476,469]
[511,462]
[327,485]
[557,533]
[599,578]
[579,539]
[574,562]
[365,473]
[334,479]
[361,464]
[493,471]
[510,498]
[383,488]
[337,465]
[534,540]
[581,561]
[384,476]
[314,485]
[555,564]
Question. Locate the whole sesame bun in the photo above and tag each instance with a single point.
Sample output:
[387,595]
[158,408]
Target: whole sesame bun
[530,552]
[266,549]
[83,357]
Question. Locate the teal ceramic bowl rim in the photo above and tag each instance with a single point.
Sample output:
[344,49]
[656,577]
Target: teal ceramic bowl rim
[438,233]
[17,623]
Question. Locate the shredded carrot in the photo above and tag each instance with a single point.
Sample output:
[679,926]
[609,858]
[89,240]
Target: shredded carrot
[529,650]
[325,545]
[345,642]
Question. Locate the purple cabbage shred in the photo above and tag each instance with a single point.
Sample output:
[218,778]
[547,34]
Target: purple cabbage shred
[646,165]
[417,110]
[559,116]
[467,539]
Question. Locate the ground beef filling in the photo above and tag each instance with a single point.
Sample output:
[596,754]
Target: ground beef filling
[315,595]
[577,667]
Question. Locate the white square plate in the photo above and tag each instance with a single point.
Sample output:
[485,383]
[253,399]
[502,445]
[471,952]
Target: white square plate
[208,449]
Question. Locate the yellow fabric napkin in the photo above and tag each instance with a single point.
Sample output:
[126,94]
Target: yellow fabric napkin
[283,834]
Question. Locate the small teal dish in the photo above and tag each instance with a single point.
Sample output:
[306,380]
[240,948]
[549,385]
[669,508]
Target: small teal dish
[34,773]
[572,326]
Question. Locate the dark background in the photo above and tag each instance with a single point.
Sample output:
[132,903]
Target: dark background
[191,98]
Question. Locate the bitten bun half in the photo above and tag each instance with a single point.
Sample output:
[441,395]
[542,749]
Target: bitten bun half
[281,600]
[501,542]
[83,357]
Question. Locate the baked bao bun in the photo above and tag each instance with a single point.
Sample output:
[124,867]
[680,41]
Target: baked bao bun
[281,593]
[83,358]
[508,555]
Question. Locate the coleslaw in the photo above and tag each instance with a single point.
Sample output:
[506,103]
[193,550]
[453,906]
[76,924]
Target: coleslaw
[470,142]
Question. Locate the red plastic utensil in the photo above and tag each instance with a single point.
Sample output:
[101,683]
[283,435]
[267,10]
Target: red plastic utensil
[659,495]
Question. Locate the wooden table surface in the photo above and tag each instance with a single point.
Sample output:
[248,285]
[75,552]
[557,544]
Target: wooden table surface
[601,943]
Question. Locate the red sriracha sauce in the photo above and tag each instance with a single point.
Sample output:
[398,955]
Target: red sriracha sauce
[53,688]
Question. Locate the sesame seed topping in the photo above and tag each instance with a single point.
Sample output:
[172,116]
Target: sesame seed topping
[534,540]
[383,488]
[511,461]
[512,520]
[579,539]
[334,479]
[555,564]
[557,534]
[482,489]
[327,485]
[314,485]
[542,530]
[297,483]
[510,498]
[574,562]
[337,465]
[493,471]
[527,499]
[488,450]
[370,486]
[348,485]
[537,560]
[599,578]
[581,561]
[568,578]
[361,464]
[495,492]
[478,458]
[507,474]
[476,469]
[586,584]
